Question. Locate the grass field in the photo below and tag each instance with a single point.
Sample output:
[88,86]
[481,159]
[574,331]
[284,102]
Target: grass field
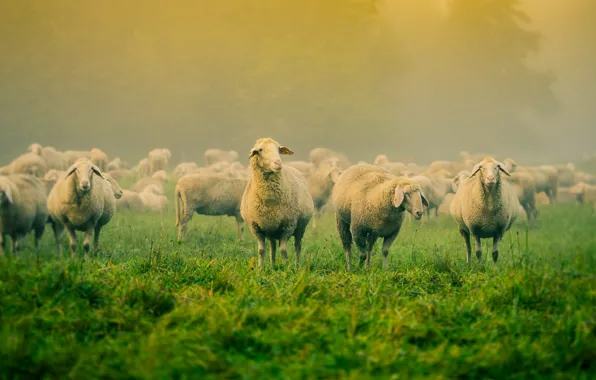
[148,307]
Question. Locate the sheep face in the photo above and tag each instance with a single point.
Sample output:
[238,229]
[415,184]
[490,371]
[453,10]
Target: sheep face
[35,148]
[490,171]
[116,189]
[458,180]
[411,198]
[84,171]
[266,155]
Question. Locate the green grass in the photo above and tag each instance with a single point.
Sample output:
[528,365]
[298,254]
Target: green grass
[148,307]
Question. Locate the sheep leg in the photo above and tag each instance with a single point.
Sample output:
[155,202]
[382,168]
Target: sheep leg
[283,247]
[38,234]
[371,240]
[346,240]
[86,242]
[466,236]
[496,241]
[58,231]
[72,237]
[261,243]
[16,244]
[361,240]
[387,241]
[2,244]
[478,247]
[96,238]
[273,249]
[240,225]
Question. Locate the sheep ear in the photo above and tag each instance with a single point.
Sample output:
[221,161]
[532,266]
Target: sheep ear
[285,150]
[502,168]
[252,153]
[424,200]
[97,171]
[8,194]
[71,170]
[398,196]
[475,170]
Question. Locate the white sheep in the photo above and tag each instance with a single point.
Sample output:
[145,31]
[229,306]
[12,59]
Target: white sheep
[214,156]
[28,163]
[22,210]
[159,159]
[158,178]
[81,201]
[185,168]
[211,194]
[318,155]
[276,204]
[99,159]
[320,186]
[485,206]
[371,203]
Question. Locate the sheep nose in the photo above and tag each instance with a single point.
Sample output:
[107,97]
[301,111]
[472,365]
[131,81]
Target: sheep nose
[490,179]
[85,185]
[418,214]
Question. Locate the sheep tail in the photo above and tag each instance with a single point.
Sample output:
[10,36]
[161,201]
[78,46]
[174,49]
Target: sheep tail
[179,203]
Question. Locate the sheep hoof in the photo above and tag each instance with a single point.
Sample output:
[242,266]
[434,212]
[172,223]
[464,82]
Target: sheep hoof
[495,256]
[479,255]
[86,247]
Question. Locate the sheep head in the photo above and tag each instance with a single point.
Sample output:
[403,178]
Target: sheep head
[35,148]
[116,189]
[84,170]
[459,178]
[266,155]
[490,170]
[409,196]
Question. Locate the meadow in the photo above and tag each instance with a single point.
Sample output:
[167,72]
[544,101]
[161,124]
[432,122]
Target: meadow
[147,306]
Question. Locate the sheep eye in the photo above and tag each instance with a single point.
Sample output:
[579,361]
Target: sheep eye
[260,150]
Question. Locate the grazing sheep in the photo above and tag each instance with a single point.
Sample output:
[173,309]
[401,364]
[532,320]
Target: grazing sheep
[153,199]
[434,188]
[525,188]
[158,178]
[99,159]
[318,155]
[485,206]
[142,168]
[115,164]
[28,163]
[211,194]
[72,156]
[566,174]
[276,204]
[130,200]
[185,168]
[22,210]
[545,177]
[121,174]
[159,159]
[54,159]
[320,186]
[213,156]
[50,179]
[81,201]
[586,194]
[371,203]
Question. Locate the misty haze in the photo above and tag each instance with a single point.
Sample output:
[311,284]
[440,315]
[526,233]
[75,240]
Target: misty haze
[416,80]
[297,189]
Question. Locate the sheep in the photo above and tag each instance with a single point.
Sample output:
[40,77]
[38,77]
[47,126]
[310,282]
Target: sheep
[83,200]
[485,206]
[545,177]
[22,210]
[142,168]
[153,199]
[122,174]
[210,194]
[371,203]
[213,156]
[54,159]
[306,168]
[566,174]
[158,178]
[130,200]
[276,204]
[28,163]
[72,156]
[185,168]
[99,159]
[320,185]
[115,164]
[50,179]
[585,193]
[318,155]
[525,188]
[159,160]
[435,188]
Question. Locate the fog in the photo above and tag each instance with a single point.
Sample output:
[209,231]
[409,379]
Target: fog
[417,80]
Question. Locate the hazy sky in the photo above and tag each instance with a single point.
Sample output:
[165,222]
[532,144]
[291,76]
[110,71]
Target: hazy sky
[418,80]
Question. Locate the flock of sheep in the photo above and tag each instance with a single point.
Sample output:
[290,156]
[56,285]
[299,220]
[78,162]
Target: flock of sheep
[79,191]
